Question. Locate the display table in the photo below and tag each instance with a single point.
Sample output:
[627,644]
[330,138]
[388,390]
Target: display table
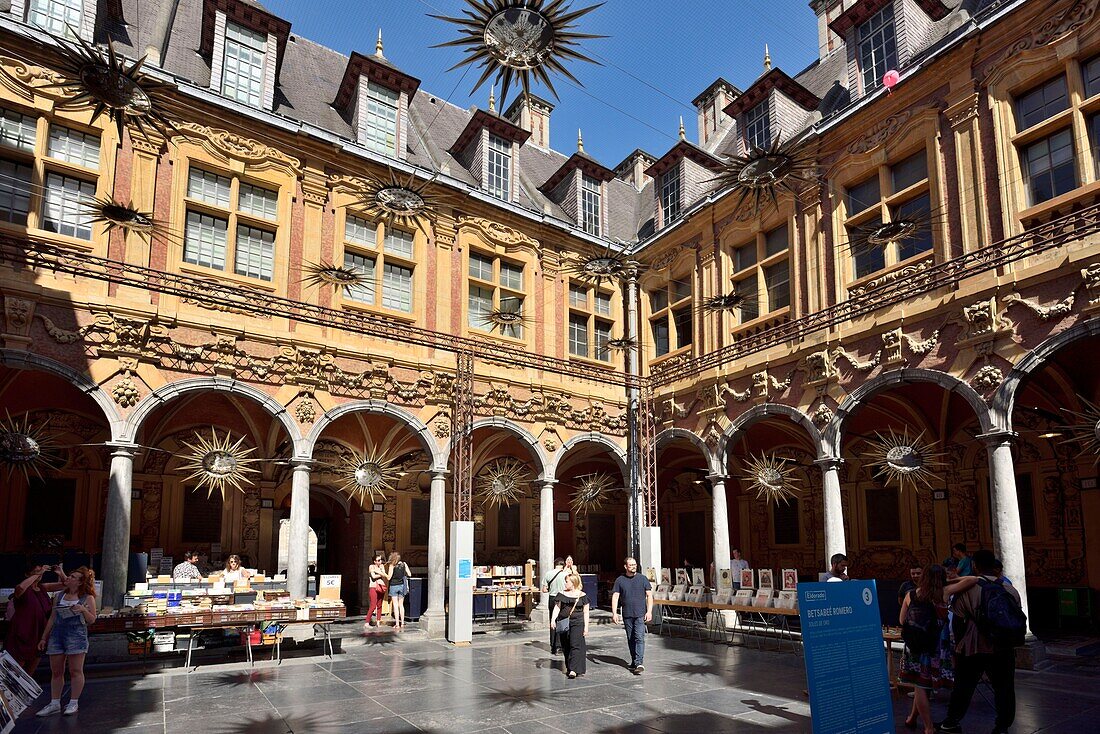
[775,620]
[494,600]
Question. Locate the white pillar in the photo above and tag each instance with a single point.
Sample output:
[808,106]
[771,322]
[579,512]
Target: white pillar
[434,621]
[116,525]
[721,523]
[297,567]
[834,508]
[546,543]
[1008,536]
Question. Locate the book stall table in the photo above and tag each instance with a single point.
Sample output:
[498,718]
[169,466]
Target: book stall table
[775,621]
[692,614]
[506,599]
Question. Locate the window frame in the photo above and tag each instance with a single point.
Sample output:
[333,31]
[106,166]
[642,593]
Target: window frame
[260,39]
[589,312]
[591,205]
[671,206]
[673,304]
[881,36]
[758,125]
[756,271]
[498,182]
[58,26]
[500,292]
[377,250]
[375,103]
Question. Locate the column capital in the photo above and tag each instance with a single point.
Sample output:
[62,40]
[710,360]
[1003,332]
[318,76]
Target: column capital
[121,448]
[998,437]
[442,474]
[718,478]
[829,462]
[544,483]
[302,463]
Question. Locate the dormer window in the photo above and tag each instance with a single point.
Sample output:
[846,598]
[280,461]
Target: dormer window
[758,127]
[499,181]
[670,194]
[56,16]
[380,119]
[591,204]
[878,46]
[243,64]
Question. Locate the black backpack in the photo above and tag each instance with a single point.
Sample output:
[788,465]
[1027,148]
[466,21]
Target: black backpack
[999,615]
[921,631]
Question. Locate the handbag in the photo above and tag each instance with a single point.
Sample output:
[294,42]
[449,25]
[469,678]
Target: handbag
[562,625]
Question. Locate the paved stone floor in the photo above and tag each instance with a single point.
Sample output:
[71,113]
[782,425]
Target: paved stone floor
[509,684]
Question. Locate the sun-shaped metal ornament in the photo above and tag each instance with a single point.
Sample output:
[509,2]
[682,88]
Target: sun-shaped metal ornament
[519,40]
[1086,428]
[624,344]
[405,202]
[606,267]
[509,319]
[106,82]
[723,303]
[500,482]
[592,491]
[762,174]
[367,477]
[338,276]
[772,478]
[27,446]
[910,462]
[127,218]
[903,228]
[218,463]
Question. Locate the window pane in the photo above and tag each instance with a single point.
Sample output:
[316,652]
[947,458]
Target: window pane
[255,252]
[578,296]
[243,67]
[399,242]
[590,205]
[1049,167]
[500,167]
[603,304]
[750,292]
[66,209]
[397,282]
[360,231]
[259,202]
[481,267]
[868,260]
[681,289]
[480,305]
[578,335]
[204,240]
[208,187]
[862,195]
[778,281]
[1094,141]
[603,336]
[18,130]
[364,291]
[776,241]
[56,16]
[660,335]
[1041,103]
[1092,77]
[15,197]
[758,133]
[915,210]
[878,49]
[380,119]
[670,194]
[785,521]
[511,276]
[684,325]
[513,304]
[883,506]
[73,147]
[744,256]
[910,171]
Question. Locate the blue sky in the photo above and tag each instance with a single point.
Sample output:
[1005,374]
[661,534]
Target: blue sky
[677,48]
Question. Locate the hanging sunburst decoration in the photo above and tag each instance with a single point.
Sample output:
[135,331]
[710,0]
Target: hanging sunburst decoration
[27,446]
[723,304]
[105,81]
[624,344]
[910,462]
[508,318]
[324,273]
[606,267]
[367,477]
[405,202]
[1086,428]
[592,492]
[520,40]
[772,478]
[500,482]
[218,463]
[903,228]
[762,174]
[127,218]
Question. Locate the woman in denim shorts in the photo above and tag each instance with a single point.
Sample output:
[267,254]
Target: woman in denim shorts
[66,638]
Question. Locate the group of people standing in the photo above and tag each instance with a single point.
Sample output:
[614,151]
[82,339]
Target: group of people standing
[392,577]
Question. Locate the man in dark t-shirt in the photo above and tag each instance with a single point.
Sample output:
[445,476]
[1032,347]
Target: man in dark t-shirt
[636,594]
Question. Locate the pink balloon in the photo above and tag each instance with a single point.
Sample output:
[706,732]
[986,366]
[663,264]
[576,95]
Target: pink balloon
[891,78]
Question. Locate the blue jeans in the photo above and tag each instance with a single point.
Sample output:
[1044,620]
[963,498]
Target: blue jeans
[635,638]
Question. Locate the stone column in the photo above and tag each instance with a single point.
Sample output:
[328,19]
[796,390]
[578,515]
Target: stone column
[116,525]
[834,508]
[721,522]
[546,545]
[1008,536]
[434,620]
[297,569]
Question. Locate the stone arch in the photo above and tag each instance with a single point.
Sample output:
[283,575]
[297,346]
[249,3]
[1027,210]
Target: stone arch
[616,451]
[21,360]
[174,390]
[760,412]
[522,434]
[1004,400]
[376,407]
[834,432]
[671,434]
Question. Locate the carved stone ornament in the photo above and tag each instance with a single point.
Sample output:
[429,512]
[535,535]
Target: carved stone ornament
[26,80]
[820,367]
[664,261]
[1045,313]
[987,379]
[905,273]
[1091,278]
[305,412]
[880,133]
[1060,24]
[894,343]
[18,313]
[126,393]
[982,322]
[856,363]
[822,416]
[500,234]
[227,146]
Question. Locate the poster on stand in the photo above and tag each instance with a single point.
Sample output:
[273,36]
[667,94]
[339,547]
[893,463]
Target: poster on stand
[682,577]
[677,593]
[695,593]
[765,578]
[697,578]
[666,576]
[842,622]
[725,579]
[790,579]
[748,580]
[651,574]
[662,592]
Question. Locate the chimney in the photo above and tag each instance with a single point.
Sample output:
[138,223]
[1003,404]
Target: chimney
[632,169]
[712,120]
[533,115]
[827,11]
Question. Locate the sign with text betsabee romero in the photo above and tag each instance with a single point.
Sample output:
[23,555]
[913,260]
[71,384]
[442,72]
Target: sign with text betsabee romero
[845,658]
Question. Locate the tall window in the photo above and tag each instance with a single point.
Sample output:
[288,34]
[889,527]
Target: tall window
[229,221]
[56,16]
[590,205]
[670,321]
[380,119]
[785,521]
[500,167]
[896,192]
[589,322]
[1047,157]
[670,195]
[386,270]
[758,126]
[243,65]
[761,274]
[496,284]
[878,47]
[883,514]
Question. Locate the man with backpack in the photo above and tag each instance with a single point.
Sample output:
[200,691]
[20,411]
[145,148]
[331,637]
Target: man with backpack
[991,625]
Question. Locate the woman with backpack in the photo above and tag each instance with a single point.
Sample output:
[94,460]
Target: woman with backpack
[926,660]
[66,638]
[399,574]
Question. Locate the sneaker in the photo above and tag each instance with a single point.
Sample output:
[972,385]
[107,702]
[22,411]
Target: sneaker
[53,707]
[572,674]
[949,728]
[639,668]
[72,708]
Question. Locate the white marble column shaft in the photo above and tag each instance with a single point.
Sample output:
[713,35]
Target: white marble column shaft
[834,509]
[116,525]
[1008,536]
[721,525]
[297,568]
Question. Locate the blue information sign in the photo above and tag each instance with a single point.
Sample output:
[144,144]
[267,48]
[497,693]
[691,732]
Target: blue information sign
[845,660]
[465,568]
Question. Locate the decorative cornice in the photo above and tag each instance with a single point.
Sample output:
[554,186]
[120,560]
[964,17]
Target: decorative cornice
[500,234]
[880,133]
[228,146]
[964,110]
